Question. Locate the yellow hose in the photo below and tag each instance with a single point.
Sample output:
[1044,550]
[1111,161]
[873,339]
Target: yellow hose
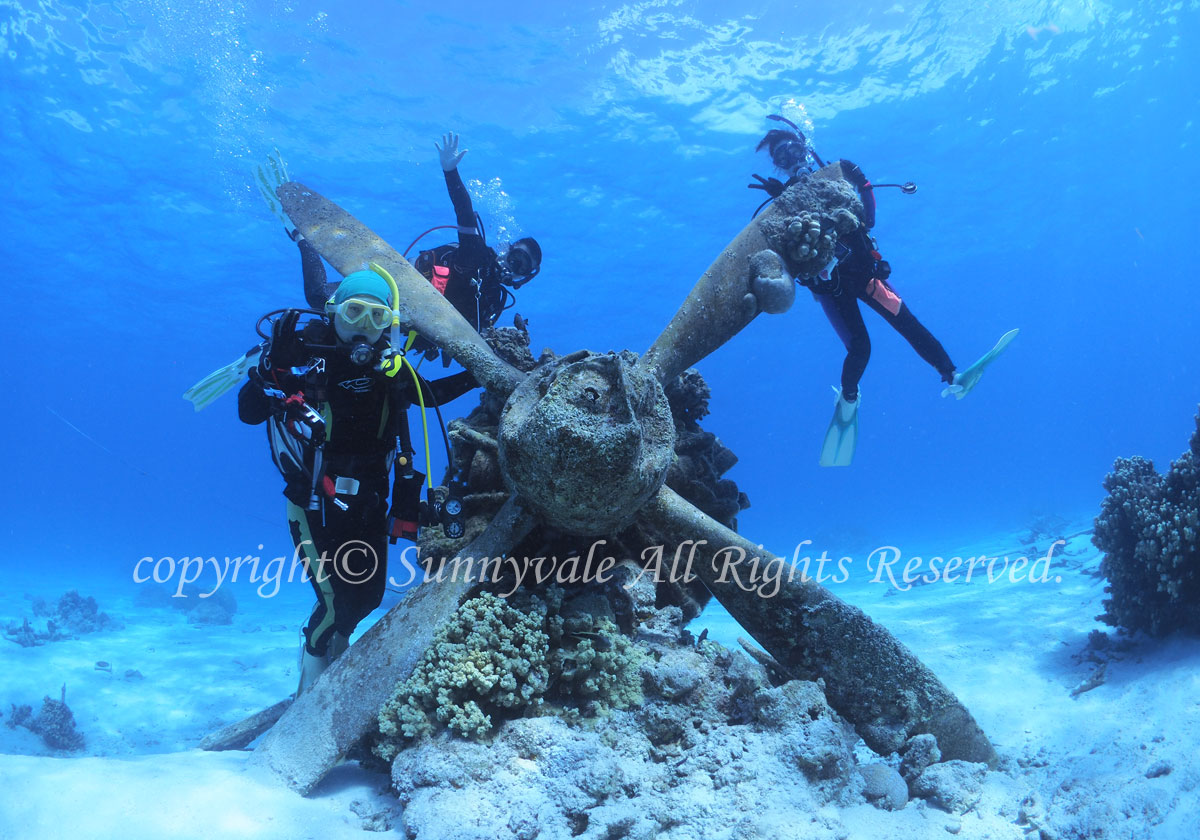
[395,340]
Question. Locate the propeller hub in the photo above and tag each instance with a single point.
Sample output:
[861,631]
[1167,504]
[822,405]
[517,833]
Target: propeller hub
[586,440]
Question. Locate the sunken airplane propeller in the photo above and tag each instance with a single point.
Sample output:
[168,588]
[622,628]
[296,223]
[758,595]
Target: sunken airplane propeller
[585,443]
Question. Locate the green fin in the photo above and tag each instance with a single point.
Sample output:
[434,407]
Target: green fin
[219,381]
[964,382]
[842,435]
[269,178]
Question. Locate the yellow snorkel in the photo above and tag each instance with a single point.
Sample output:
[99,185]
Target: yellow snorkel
[399,358]
[391,368]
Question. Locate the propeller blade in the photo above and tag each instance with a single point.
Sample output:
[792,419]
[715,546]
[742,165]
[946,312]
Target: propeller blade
[871,679]
[727,297]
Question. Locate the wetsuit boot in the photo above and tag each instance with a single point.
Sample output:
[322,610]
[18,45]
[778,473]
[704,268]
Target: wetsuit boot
[311,667]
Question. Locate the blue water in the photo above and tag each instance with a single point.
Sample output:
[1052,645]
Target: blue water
[1054,144]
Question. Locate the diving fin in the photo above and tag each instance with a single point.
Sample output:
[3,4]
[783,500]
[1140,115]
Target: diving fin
[269,178]
[842,435]
[964,382]
[220,381]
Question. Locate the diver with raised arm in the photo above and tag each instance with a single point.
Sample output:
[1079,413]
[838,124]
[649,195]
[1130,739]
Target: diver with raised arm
[469,273]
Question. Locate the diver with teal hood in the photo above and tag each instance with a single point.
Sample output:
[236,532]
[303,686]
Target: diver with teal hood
[334,395]
[858,272]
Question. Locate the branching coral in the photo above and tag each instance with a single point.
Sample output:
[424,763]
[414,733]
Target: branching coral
[500,659]
[602,671]
[592,665]
[489,657]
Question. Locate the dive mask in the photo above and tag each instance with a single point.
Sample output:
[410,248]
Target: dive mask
[365,313]
[522,262]
[518,261]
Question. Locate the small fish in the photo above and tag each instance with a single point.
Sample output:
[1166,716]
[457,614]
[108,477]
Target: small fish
[520,323]
[600,641]
[1139,233]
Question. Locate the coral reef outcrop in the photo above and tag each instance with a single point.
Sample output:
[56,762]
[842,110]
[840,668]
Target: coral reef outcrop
[716,747]
[54,724]
[71,616]
[1149,531]
[804,236]
[710,741]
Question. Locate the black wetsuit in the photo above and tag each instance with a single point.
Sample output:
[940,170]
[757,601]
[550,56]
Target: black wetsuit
[473,285]
[344,551]
[473,282]
[862,275]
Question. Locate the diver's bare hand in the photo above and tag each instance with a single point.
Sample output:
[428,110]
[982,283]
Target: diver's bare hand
[448,152]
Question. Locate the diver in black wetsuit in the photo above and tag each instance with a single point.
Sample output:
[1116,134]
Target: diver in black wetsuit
[334,423]
[469,273]
[860,273]
[857,272]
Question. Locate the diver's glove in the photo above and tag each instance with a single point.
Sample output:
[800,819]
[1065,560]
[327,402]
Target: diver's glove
[391,362]
[854,175]
[771,186]
[275,395]
[286,348]
[448,152]
[865,191]
[256,378]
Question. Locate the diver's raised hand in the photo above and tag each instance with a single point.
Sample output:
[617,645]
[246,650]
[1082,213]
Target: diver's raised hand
[771,186]
[448,151]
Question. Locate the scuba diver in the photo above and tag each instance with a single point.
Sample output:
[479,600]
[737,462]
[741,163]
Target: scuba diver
[468,273]
[858,272]
[334,393]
